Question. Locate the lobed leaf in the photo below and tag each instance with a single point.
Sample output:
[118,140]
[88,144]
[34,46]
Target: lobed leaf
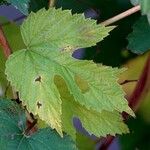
[50,37]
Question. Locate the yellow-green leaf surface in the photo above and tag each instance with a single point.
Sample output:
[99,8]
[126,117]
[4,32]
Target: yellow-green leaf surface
[50,37]
[98,123]
[61,30]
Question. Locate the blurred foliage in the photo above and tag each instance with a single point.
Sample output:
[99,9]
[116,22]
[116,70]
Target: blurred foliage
[35,5]
[134,68]
[139,137]
[13,35]
[84,142]
[22,5]
[139,39]
[139,128]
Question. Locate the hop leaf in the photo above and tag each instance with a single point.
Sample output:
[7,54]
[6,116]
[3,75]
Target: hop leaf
[50,37]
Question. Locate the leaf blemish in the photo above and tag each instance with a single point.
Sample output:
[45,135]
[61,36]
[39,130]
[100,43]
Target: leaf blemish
[38,79]
[39,105]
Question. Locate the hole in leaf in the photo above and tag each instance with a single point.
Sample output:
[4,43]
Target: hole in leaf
[38,79]
[82,84]
[39,105]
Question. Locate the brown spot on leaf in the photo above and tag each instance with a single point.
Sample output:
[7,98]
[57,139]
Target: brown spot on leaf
[38,79]
[39,105]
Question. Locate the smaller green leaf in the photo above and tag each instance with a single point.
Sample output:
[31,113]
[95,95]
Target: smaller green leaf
[12,132]
[139,39]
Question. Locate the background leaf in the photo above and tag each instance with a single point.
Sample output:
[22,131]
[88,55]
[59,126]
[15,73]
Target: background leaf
[139,136]
[139,39]
[12,32]
[145,4]
[12,136]
[22,5]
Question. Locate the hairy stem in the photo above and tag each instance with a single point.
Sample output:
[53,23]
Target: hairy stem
[141,86]
[52,3]
[4,43]
[121,16]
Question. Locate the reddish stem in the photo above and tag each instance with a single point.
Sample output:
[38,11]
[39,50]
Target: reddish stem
[107,142]
[4,43]
[31,127]
[134,100]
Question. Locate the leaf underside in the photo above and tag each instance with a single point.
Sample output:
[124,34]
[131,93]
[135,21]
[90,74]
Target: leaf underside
[58,87]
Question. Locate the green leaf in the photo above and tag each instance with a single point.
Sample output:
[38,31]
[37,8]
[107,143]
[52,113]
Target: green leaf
[12,135]
[50,37]
[139,39]
[97,123]
[22,5]
[61,30]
